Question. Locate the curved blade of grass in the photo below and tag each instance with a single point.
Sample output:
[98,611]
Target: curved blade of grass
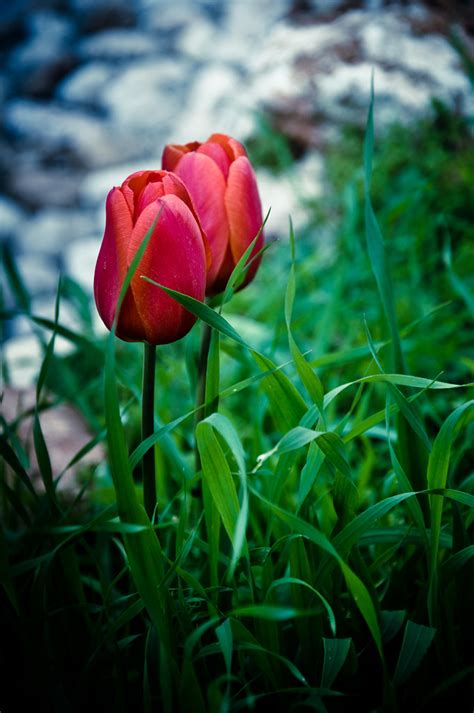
[285,581]
[415,382]
[218,477]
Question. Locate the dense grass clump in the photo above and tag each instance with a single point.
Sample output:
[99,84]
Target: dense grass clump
[313,546]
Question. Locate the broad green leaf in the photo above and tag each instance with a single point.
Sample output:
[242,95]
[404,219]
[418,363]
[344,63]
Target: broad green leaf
[335,654]
[390,623]
[416,642]
[218,477]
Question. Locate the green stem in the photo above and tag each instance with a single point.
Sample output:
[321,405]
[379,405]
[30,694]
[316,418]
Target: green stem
[202,370]
[148,402]
[201,384]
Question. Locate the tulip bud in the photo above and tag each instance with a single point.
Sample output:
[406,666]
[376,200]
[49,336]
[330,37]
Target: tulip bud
[176,256]
[222,185]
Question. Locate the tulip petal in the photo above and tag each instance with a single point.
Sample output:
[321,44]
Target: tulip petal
[175,257]
[173,153]
[149,194]
[232,147]
[244,211]
[218,155]
[206,186]
[112,263]
[172,184]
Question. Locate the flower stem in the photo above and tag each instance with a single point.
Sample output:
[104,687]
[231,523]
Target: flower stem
[201,384]
[148,399]
[202,370]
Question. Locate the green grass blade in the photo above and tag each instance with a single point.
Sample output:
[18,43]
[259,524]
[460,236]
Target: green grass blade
[217,474]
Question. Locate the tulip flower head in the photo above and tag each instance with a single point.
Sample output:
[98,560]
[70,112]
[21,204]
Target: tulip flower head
[222,185]
[176,256]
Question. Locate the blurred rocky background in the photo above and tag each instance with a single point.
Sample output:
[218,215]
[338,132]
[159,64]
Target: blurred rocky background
[91,90]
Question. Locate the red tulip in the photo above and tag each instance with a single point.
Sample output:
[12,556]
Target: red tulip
[176,256]
[221,182]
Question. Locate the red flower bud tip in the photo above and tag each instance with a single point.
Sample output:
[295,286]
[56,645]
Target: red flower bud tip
[176,256]
[222,185]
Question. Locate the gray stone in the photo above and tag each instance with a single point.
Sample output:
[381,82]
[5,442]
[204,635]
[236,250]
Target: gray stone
[11,217]
[146,97]
[37,186]
[85,85]
[117,44]
[39,273]
[212,105]
[55,130]
[50,230]
[23,356]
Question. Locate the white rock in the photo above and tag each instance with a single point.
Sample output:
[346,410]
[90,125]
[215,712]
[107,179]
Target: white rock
[79,261]
[11,217]
[212,105]
[45,307]
[85,85]
[50,230]
[199,38]
[116,44]
[23,356]
[146,96]
[38,272]
[55,129]
[321,73]
[278,193]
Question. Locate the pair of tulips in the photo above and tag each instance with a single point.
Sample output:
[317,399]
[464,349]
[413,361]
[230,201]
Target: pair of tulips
[209,211]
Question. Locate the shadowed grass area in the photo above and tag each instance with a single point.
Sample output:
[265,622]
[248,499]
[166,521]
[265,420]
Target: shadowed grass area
[329,562]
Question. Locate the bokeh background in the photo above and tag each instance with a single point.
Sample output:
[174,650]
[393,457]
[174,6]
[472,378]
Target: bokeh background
[91,90]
